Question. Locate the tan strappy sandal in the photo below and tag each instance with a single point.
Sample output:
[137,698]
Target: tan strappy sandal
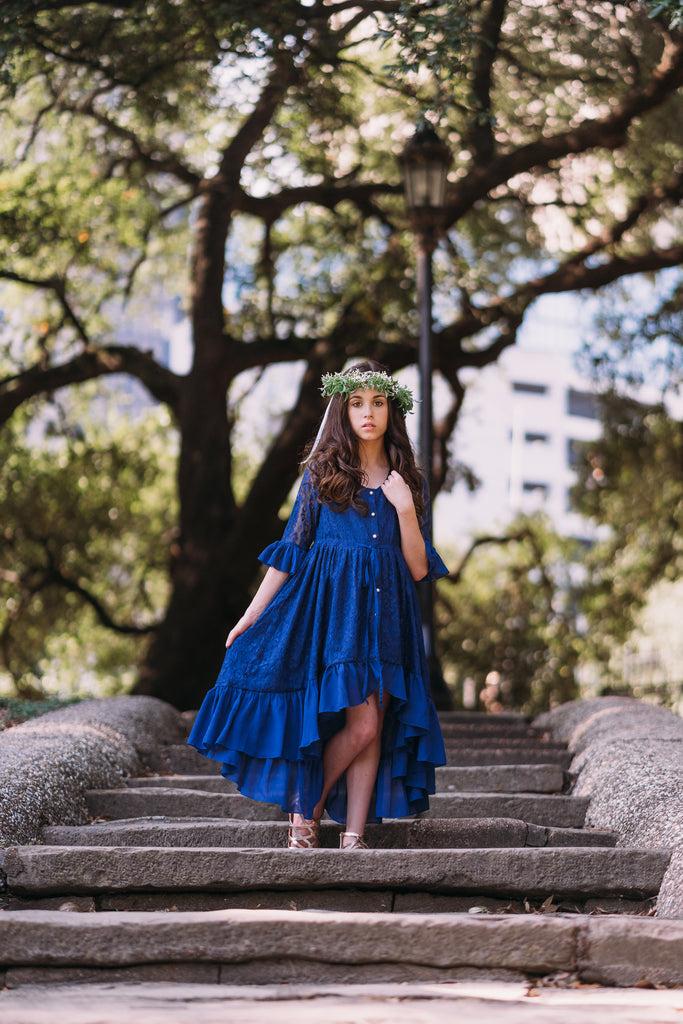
[305,836]
[356,841]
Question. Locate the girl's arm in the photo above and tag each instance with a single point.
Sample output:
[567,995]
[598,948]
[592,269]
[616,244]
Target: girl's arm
[396,491]
[270,585]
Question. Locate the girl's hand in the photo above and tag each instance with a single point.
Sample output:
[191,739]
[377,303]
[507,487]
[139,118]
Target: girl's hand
[397,491]
[270,584]
[240,627]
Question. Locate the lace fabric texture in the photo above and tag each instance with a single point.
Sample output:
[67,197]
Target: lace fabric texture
[344,625]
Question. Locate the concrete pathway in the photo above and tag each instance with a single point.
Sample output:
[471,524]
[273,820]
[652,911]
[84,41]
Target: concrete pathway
[464,1003]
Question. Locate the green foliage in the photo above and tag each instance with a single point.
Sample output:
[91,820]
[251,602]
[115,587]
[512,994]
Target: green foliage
[87,524]
[121,113]
[14,711]
[428,39]
[631,485]
[640,336]
[671,10]
[509,624]
[240,155]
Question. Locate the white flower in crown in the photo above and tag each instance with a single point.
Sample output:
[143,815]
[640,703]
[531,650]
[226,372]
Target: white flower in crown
[344,384]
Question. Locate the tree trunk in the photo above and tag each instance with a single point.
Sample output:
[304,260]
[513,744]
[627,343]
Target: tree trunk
[206,596]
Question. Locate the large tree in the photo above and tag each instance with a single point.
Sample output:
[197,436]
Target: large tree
[261,139]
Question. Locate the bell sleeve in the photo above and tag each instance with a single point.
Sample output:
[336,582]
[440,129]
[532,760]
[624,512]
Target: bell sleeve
[288,554]
[436,567]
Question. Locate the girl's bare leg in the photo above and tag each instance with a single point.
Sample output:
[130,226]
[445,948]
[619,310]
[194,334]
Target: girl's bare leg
[362,730]
[361,776]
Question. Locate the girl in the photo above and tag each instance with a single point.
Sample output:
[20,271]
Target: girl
[323,702]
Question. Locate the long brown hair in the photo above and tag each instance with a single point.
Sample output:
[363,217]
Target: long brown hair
[335,466]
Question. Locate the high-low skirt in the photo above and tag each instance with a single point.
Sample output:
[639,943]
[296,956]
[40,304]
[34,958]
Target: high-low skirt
[343,626]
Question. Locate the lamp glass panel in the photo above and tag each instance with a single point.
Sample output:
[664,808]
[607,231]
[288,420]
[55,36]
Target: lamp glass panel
[425,185]
[436,174]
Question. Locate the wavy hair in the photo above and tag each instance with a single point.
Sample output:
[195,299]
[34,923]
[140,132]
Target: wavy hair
[335,467]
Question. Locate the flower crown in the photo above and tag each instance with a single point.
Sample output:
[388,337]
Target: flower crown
[345,383]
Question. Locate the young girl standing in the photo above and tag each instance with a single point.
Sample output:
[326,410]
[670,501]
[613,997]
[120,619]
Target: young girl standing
[323,699]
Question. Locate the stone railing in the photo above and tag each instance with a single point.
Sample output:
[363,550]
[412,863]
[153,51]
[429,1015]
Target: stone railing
[628,759]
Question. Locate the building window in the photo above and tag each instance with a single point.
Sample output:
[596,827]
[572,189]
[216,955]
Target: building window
[583,403]
[575,452]
[540,490]
[533,438]
[529,389]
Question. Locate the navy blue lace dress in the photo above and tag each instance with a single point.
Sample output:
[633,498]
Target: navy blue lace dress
[343,625]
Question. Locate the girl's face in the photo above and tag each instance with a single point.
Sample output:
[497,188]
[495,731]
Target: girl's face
[368,414]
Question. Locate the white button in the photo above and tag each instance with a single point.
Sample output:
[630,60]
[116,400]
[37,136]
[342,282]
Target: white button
[378,590]
[374,536]
[372,492]
[372,513]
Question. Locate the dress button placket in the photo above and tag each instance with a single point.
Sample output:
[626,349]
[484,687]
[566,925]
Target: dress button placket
[374,537]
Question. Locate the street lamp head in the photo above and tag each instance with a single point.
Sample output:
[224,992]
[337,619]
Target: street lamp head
[425,162]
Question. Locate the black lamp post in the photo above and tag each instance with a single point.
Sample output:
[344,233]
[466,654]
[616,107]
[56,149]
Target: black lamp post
[425,162]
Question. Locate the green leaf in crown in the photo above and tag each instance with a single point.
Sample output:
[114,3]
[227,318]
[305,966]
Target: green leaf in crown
[344,384]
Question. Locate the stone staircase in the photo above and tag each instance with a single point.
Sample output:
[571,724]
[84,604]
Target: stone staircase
[500,879]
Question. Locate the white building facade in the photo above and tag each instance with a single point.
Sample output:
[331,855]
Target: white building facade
[519,428]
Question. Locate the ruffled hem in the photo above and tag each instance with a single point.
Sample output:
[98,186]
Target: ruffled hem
[283,555]
[270,744]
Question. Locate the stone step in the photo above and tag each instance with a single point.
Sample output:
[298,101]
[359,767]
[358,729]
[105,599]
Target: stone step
[540,809]
[523,778]
[461,755]
[203,783]
[415,833]
[376,901]
[271,947]
[544,778]
[528,872]
[494,730]
[155,800]
[483,719]
[509,742]
[181,759]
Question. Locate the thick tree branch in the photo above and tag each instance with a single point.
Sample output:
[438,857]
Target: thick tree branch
[57,285]
[575,274]
[214,218]
[162,383]
[582,270]
[609,132]
[55,576]
[518,535]
[481,139]
[443,429]
[326,194]
[154,156]
[570,277]
[672,192]
[283,74]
